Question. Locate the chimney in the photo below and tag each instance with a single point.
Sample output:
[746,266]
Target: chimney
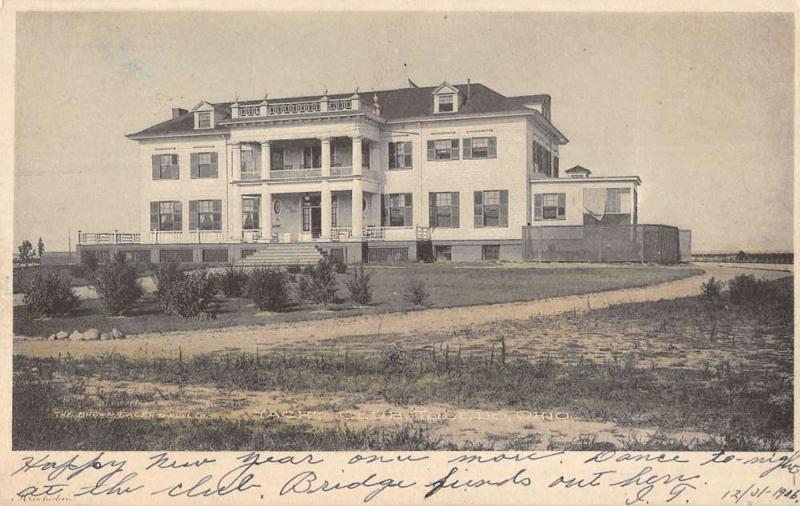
[469,83]
[177,112]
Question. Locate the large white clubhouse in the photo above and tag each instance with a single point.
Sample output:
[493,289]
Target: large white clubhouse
[455,170]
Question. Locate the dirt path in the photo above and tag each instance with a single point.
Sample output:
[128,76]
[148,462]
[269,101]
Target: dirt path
[248,339]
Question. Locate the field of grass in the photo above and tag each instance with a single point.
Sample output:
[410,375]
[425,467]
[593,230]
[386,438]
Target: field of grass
[448,285]
[714,369]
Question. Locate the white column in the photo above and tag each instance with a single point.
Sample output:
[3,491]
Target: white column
[325,153]
[266,215]
[357,169]
[234,223]
[266,159]
[236,161]
[327,209]
[357,208]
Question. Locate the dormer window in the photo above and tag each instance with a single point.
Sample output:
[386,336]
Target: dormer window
[445,103]
[204,119]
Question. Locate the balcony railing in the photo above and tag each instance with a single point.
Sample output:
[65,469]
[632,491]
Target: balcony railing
[294,173]
[342,171]
[252,235]
[409,233]
[250,175]
[108,238]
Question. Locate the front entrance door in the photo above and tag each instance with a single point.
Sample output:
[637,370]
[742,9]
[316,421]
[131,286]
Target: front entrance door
[312,216]
[316,222]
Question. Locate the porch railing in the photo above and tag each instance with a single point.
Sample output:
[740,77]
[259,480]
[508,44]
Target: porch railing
[187,236]
[341,233]
[108,238]
[295,173]
[341,171]
[252,235]
[249,175]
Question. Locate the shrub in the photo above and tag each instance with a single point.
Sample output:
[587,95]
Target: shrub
[268,289]
[711,289]
[51,295]
[117,285]
[186,295]
[338,264]
[746,289]
[359,287]
[415,292]
[319,282]
[166,275]
[232,281]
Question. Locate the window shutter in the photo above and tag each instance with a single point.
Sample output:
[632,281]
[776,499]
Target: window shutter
[455,218]
[537,206]
[156,167]
[384,209]
[178,216]
[503,208]
[467,148]
[478,209]
[195,171]
[214,172]
[392,157]
[562,206]
[153,215]
[408,218]
[454,149]
[193,217]
[217,208]
[432,210]
[492,147]
[555,166]
[408,149]
[176,168]
[431,150]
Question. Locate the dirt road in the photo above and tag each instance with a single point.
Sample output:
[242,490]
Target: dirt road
[248,339]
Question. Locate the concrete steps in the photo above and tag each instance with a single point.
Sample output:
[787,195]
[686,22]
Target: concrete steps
[281,254]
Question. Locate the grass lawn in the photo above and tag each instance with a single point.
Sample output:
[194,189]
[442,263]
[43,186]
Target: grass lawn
[719,371]
[448,285]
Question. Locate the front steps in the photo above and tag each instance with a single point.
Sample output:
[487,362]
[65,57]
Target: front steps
[283,254]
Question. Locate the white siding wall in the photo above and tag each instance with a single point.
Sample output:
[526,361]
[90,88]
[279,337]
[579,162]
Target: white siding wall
[573,188]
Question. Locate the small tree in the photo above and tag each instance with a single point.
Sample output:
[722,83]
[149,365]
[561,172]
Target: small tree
[711,289]
[51,295]
[319,282]
[268,289]
[359,287]
[117,285]
[40,248]
[415,292]
[25,249]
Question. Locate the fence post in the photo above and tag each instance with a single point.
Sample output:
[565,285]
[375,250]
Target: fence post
[79,237]
[116,236]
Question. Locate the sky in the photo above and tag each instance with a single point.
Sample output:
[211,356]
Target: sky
[700,106]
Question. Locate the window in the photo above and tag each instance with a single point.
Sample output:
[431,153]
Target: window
[334,210]
[312,157]
[446,103]
[165,215]
[400,155]
[550,206]
[443,253]
[490,252]
[365,153]
[480,147]
[249,165]
[249,111]
[443,149]
[541,159]
[491,208]
[205,215]
[215,255]
[276,158]
[615,203]
[165,166]
[204,119]
[251,207]
[204,165]
[444,209]
[397,210]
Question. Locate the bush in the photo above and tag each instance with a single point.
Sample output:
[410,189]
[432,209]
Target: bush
[318,283]
[711,289]
[232,281]
[185,296]
[51,295]
[415,292]
[117,285]
[746,289]
[268,289]
[359,287]
[166,275]
[338,264]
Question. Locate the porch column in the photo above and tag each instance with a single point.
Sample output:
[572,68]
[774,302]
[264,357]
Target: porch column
[236,161]
[325,153]
[326,204]
[357,169]
[234,222]
[266,159]
[266,215]
[357,209]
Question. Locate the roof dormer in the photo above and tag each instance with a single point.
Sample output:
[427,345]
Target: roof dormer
[446,99]
[203,116]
